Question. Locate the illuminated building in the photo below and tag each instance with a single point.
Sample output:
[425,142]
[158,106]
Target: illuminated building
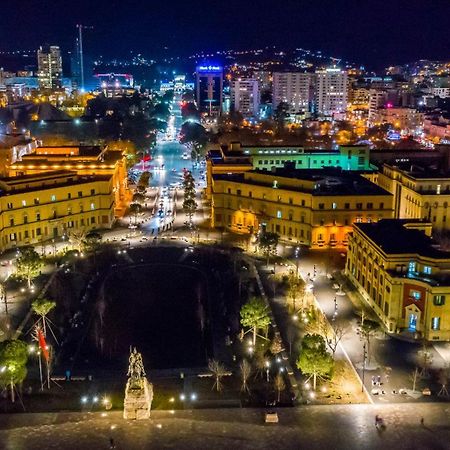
[421,189]
[293,88]
[37,208]
[238,158]
[331,91]
[115,84]
[400,118]
[84,160]
[245,96]
[402,276]
[316,208]
[209,89]
[49,67]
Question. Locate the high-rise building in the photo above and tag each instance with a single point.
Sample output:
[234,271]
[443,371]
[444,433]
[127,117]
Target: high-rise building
[245,96]
[331,91]
[293,88]
[209,89]
[49,67]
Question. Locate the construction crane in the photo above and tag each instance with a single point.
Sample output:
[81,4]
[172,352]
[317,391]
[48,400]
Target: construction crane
[80,48]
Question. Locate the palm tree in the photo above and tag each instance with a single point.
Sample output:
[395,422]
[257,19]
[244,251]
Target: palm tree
[42,306]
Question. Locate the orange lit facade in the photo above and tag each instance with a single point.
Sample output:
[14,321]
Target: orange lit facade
[84,160]
[316,208]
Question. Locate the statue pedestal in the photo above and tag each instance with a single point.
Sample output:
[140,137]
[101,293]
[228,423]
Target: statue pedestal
[138,399]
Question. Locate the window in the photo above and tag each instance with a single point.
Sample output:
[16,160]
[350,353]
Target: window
[435,323]
[369,205]
[334,205]
[92,206]
[92,220]
[24,203]
[412,266]
[53,198]
[26,234]
[427,270]
[278,214]
[38,231]
[250,194]
[92,191]
[321,205]
[38,216]
[10,206]
[80,193]
[36,201]
[381,205]
[359,206]
[291,200]
[25,219]
[416,295]
[303,203]
[69,195]
[439,300]
[238,192]
[347,206]
[12,237]
[11,222]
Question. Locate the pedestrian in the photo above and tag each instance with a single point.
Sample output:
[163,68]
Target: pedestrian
[373,380]
[422,421]
[379,380]
[112,443]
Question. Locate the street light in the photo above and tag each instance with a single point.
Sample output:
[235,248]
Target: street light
[297,253]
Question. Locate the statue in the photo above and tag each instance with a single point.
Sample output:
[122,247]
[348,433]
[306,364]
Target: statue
[138,391]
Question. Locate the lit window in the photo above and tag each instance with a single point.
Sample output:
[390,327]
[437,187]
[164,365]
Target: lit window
[92,206]
[439,300]
[24,203]
[334,205]
[278,214]
[53,198]
[427,270]
[412,266]
[416,295]
[435,323]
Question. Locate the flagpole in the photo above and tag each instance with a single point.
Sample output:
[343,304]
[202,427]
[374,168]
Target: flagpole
[40,371]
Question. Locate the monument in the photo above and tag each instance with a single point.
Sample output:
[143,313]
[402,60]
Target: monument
[138,392]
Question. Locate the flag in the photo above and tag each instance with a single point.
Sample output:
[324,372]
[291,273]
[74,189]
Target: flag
[42,343]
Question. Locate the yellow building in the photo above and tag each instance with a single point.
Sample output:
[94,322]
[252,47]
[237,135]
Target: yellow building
[84,160]
[420,192]
[36,208]
[402,276]
[311,207]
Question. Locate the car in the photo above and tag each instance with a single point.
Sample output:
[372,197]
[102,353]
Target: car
[271,417]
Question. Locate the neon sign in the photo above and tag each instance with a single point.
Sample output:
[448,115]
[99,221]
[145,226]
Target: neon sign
[209,68]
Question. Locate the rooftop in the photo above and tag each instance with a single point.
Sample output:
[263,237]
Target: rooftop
[394,237]
[326,181]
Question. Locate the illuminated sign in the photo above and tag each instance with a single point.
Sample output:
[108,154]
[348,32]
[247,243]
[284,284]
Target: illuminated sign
[209,68]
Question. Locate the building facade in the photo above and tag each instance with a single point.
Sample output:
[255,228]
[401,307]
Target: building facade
[49,67]
[330,91]
[316,208]
[293,88]
[37,208]
[402,276]
[209,89]
[245,96]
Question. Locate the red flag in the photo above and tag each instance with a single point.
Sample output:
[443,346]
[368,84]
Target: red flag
[43,344]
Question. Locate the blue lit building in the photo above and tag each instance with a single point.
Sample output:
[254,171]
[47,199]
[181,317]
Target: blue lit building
[209,89]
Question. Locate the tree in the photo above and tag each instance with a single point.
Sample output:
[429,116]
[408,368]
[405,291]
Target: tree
[255,316]
[138,198]
[42,306]
[280,385]
[92,241]
[13,361]
[276,345]
[189,203]
[78,239]
[368,329]
[135,209]
[29,264]
[332,332]
[314,360]
[218,371]
[296,289]
[280,115]
[143,181]
[268,241]
[245,371]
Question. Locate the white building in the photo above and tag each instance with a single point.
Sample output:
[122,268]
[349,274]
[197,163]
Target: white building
[245,96]
[377,99]
[331,91]
[293,88]
[49,67]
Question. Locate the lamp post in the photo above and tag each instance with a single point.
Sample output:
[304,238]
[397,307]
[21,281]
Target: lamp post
[364,366]
[297,253]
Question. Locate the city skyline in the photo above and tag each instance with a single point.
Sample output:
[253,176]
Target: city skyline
[361,33]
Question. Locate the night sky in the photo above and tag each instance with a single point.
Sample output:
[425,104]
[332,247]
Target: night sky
[371,32]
